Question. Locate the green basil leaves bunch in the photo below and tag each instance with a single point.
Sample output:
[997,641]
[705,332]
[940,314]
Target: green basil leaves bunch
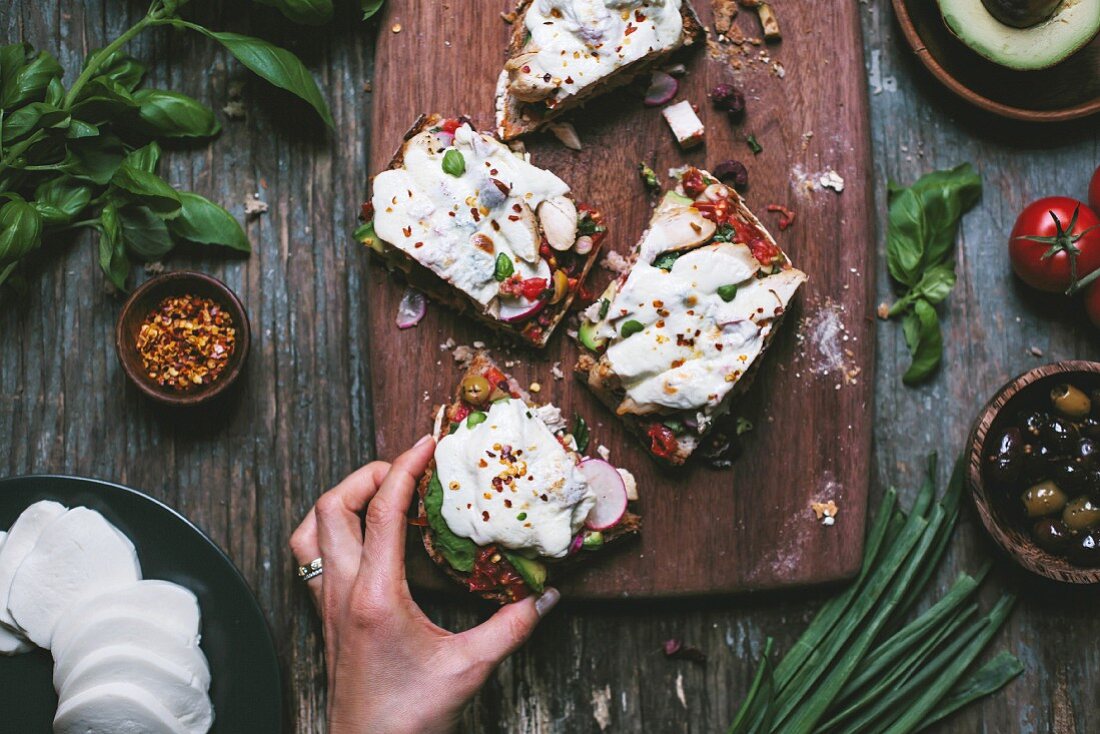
[317,12]
[920,254]
[87,156]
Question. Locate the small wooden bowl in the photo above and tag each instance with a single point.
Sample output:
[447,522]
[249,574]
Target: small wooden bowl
[1029,389]
[145,299]
[1068,91]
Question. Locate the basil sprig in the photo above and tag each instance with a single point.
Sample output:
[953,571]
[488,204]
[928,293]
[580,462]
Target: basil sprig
[87,156]
[920,254]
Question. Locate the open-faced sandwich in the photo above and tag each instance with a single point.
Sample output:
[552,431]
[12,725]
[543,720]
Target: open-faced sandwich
[565,52]
[674,338]
[509,501]
[478,228]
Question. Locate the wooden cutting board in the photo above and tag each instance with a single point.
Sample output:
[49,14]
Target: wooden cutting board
[706,531]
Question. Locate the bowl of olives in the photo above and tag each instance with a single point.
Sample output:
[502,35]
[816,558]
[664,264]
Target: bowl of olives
[1034,470]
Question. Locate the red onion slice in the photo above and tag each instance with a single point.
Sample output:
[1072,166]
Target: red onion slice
[662,88]
[412,308]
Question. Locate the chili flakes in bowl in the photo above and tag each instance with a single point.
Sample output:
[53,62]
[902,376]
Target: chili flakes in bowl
[186,342]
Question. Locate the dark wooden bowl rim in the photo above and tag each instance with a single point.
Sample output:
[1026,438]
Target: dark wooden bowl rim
[909,29]
[179,282]
[1012,540]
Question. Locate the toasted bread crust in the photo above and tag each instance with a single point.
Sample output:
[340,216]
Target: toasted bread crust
[438,289]
[629,526]
[516,118]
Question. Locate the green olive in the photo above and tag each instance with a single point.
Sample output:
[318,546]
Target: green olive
[475,389]
[1070,402]
[1045,498]
[1082,514]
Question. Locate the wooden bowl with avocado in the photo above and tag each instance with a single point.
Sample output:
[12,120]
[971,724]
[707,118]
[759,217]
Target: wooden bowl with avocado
[1044,71]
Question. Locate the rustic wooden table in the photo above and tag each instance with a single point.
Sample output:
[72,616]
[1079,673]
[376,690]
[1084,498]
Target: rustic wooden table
[247,472]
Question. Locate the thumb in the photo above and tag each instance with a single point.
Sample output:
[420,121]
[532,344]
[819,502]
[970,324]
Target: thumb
[505,632]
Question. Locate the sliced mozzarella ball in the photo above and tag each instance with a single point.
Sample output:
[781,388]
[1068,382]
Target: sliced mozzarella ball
[136,629]
[169,605]
[21,538]
[77,554]
[10,642]
[174,687]
[115,708]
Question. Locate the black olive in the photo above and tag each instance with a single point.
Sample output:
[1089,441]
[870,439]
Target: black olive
[1088,451]
[1069,475]
[1085,549]
[1034,423]
[1051,535]
[1059,435]
[1089,427]
[1007,463]
[1036,463]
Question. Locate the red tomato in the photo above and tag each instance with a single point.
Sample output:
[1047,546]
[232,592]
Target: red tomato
[1045,264]
[662,440]
[1094,192]
[533,287]
[450,125]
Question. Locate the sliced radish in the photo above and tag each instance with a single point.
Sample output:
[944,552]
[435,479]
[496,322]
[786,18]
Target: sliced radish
[412,308]
[518,309]
[662,88]
[610,491]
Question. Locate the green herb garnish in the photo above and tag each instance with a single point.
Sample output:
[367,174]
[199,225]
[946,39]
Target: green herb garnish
[586,225]
[604,306]
[521,516]
[649,177]
[724,233]
[453,163]
[742,426]
[504,268]
[727,292]
[666,260]
[754,146]
[631,327]
[475,418]
[920,241]
[580,433]
[675,426]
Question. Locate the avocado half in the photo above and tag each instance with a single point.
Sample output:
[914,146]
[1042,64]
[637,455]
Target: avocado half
[1073,24]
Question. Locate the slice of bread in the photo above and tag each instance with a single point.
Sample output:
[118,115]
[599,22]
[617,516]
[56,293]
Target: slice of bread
[514,117]
[535,331]
[627,527]
[595,370]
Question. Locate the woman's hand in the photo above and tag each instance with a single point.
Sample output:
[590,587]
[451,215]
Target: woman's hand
[390,669]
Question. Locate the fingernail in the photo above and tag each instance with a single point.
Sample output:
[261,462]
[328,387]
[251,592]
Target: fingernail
[547,601]
[425,437]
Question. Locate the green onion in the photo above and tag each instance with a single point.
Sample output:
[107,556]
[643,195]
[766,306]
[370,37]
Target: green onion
[990,678]
[631,327]
[475,418]
[727,292]
[750,709]
[453,163]
[504,268]
[754,146]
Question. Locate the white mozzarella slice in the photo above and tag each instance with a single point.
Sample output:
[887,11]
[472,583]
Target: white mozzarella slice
[136,629]
[115,708]
[169,605]
[21,538]
[10,642]
[77,554]
[174,687]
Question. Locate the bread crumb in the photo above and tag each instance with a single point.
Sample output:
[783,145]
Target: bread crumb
[556,371]
[614,262]
[253,207]
[396,28]
[883,311]
[535,387]
[830,179]
[1036,352]
[826,512]
[603,452]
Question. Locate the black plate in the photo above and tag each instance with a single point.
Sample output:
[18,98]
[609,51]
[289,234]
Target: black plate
[245,685]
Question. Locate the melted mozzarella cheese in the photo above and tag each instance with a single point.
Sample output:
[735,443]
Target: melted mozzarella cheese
[509,481]
[579,42]
[693,345]
[457,226]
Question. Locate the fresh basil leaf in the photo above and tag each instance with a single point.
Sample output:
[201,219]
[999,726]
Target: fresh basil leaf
[55,92]
[94,159]
[905,237]
[173,115]
[51,216]
[276,65]
[936,283]
[306,12]
[925,341]
[20,230]
[459,552]
[203,222]
[29,118]
[29,83]
[371,7]
[580,433]
[6,273]
[13,57]
[148,189]
[144,158]
[103,100]
[63,194]
[453,163]
[81,129]
[121,68]
[144,234]
[504,268]
[112,252]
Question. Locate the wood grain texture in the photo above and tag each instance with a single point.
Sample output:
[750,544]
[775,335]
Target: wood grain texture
[751,526]
[248,473]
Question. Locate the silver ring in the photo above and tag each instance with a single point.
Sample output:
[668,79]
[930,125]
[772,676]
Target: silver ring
[311,570]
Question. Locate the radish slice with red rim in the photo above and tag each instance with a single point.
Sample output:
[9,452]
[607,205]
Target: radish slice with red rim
[662,88]
[412,308]
[518,309]
[607,484]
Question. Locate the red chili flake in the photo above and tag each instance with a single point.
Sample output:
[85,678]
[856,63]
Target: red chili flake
[765,252]
[185,342]
[786,216]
